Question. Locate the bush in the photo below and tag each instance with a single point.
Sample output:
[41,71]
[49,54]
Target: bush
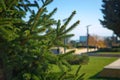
[109,50]
[77,59]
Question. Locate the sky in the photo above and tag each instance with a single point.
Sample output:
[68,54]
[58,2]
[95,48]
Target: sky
[87,11]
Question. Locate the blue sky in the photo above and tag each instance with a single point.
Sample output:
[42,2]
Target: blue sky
[87,11]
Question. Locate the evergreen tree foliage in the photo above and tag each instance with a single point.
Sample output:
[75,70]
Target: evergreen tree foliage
[111,11]
[25,46]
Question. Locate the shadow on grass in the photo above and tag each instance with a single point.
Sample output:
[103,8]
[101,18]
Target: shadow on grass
[97,77]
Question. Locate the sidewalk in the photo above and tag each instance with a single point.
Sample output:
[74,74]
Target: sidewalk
[114,65]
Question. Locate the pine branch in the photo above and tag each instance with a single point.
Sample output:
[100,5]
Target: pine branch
[12,3]
[47,2]
[66,54]
[2,3]
[76,74]
[67,22]
[37,4]
[26,5]
[43,1]
[58,28]
[39,13]
[51,14]
[67,65]
[65,36]
[71,28]
[40,30]
[80,77]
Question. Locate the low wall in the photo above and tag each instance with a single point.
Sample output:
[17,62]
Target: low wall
[112,70]
[110,73]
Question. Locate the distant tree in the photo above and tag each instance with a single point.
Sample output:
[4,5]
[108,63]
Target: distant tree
[111,11]
[92,41]
[25,46]
[96,41]
[101,44]
[112,41]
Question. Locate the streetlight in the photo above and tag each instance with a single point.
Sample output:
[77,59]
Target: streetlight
[87,36]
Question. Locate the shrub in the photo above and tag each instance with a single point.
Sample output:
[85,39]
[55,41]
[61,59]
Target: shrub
[109,50]
[77,59]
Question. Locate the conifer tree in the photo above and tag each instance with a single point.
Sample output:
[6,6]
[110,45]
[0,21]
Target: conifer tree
[111,11]
[25,46]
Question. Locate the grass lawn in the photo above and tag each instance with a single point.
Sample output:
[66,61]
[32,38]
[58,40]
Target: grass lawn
[94,66]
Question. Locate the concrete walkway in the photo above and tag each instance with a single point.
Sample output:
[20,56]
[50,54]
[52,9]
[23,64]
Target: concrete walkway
[114,65]
[112,70]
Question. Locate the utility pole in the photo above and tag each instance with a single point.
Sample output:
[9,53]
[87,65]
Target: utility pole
[87,37]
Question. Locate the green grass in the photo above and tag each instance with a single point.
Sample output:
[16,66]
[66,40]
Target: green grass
[94,66]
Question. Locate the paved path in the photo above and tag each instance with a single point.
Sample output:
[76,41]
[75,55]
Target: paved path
[114,65]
